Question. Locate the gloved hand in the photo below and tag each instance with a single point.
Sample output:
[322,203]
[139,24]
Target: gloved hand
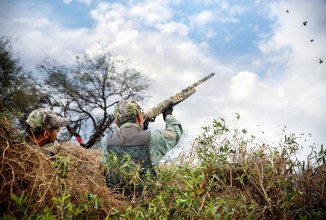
[145,125]
[168,110]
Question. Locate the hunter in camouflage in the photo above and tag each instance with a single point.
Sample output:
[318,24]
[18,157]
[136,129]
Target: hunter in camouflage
[144,147]
[42,128]
[43,119]
[126,111]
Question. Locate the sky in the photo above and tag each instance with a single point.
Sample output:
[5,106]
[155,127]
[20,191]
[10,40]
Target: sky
[266,61]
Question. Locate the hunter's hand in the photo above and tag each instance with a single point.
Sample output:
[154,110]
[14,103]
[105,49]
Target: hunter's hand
[145,127]
[167,111]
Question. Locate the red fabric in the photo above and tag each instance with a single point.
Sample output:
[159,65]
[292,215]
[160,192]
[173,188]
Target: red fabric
[79,139]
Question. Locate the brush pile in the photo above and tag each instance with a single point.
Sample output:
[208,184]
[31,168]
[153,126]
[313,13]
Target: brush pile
[30,180]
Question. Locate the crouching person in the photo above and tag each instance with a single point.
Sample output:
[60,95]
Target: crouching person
[42,128]
[132,151]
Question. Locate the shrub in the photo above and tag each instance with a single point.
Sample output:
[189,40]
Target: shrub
[237,177]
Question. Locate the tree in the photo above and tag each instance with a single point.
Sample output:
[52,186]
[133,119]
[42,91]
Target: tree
[87,91]
[19,91]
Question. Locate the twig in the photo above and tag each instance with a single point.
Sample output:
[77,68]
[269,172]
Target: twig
[59,146]
[231,177]
[206,194]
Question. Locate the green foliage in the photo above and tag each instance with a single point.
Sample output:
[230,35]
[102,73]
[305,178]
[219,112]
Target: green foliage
[64,208]
[234,177]
[46,214]
[92,203]
[321,155]
[7,217]
[21,202]
[62,164]
[19,91]
[125,174]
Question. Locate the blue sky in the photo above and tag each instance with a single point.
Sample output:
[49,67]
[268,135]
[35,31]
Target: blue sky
[267,69]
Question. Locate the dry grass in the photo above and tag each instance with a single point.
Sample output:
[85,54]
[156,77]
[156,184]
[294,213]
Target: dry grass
[25,169]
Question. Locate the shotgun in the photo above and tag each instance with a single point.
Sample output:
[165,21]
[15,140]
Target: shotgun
[174,100]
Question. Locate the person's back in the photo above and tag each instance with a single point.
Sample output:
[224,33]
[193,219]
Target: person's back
[131,140]
[145,148]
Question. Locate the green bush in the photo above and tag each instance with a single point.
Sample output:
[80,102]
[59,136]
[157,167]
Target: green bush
[237,177]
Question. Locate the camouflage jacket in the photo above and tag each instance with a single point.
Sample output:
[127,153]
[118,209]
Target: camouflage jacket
[161,141]
[43,150]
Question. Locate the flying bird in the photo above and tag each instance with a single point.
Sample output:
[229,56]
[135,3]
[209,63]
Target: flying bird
[287,11]
[305,23]
[320,61]
[312,40]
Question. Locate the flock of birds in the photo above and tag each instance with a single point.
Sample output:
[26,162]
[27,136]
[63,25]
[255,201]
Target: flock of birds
[312,40]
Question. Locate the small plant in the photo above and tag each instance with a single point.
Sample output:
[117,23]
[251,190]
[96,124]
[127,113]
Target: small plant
[65,208]
[7,217]
[321,155]
[46,214]
[123,173]
[92,204]
[21,202]
[62,164]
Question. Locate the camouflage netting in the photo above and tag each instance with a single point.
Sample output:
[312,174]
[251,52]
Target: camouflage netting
[26,170]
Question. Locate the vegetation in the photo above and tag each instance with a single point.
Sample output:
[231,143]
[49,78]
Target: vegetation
[18,88]
[230,176]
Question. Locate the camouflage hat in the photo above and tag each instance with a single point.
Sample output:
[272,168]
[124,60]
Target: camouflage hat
[45,119]
[126,108]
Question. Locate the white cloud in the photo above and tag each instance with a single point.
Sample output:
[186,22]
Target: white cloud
[229,38]
[173,28]
[247,90]
[202,18]
[210,33]
[140,13]
[36,36]
[87,2]
[243,85]
[223,12]
[151,12]
[232,9]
